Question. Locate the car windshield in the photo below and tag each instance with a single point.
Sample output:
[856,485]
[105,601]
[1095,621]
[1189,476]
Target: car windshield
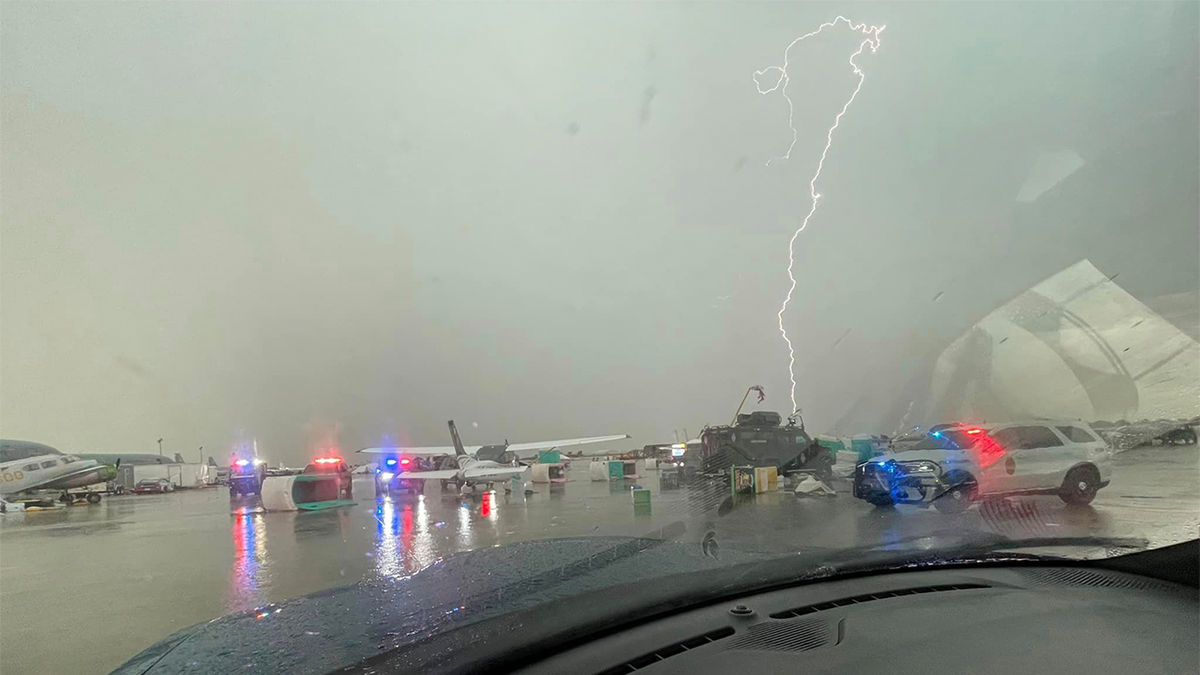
[331,326]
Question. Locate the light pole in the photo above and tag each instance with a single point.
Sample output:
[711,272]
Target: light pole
[160,447]
[201,451]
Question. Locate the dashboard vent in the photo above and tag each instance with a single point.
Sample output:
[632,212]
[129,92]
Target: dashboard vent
[868,597]
[790,636]
[668,651]
[1068,576]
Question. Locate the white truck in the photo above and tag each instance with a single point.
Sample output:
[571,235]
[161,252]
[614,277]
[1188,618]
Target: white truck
[180,475]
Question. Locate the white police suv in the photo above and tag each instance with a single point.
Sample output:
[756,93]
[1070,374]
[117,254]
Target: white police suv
[958,464]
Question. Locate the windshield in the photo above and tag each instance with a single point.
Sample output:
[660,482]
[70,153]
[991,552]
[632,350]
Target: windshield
[947,440]
[493,453]
[354,290]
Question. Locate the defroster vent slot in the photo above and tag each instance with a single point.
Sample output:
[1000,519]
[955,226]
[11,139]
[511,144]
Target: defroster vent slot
[663,653]
[868,597]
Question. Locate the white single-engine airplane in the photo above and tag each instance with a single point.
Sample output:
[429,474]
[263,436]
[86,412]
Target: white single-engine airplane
[477,464]
[26,466]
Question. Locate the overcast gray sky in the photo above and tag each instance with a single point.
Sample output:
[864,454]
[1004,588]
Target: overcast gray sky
[305,221]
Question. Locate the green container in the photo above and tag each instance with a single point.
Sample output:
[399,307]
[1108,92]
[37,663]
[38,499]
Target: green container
[831,444]
[742,480]
[549,457]
[616,470]
[321,506]
[641,497]
[863,448]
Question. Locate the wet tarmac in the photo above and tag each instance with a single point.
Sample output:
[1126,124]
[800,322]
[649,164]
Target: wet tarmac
[83,589]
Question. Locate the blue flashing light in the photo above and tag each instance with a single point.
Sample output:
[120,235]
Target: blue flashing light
[391,461]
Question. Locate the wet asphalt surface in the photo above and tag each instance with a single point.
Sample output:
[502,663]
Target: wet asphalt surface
[83,589]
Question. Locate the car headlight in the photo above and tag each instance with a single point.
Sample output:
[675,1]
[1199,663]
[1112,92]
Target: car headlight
[920,467]
[385,476]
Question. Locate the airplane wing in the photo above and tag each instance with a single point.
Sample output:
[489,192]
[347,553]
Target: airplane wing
[492,472]
[423,451]
[442,450]
[547,445]
[442,474]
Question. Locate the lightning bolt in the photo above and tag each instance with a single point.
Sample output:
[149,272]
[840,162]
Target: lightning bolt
[871,39]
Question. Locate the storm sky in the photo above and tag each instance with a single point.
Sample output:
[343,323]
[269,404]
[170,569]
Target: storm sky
[343,223]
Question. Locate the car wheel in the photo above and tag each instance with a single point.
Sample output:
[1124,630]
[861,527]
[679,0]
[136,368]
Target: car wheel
[1080,486]
[93,498]
[882,502]
[961,490]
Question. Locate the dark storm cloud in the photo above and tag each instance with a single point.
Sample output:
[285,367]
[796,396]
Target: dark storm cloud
[314,222]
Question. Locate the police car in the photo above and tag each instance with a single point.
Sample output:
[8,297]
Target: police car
[958,464]
[334,466]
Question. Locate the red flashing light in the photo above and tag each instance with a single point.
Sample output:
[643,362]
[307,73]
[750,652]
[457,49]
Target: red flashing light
[974,431]
[242,462]
[405,461]
[988,451]
[328,460]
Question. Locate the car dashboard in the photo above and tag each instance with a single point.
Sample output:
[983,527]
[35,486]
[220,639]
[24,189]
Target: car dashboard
[988,612]
[1063,620]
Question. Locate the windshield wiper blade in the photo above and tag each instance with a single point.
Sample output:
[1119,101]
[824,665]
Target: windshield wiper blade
[978,545]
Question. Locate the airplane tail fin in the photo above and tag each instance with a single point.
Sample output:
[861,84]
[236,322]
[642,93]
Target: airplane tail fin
[178,458]
[458,446]
[211,461]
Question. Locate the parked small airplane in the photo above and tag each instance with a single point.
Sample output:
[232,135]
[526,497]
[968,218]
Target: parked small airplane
[137,459]
[32,466]
[477,464]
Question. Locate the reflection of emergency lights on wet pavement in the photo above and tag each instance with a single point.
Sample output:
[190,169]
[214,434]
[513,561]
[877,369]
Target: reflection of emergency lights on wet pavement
[422,546]
[466,535]
[387,544]
[403,542]
[488,508]
[249,557]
